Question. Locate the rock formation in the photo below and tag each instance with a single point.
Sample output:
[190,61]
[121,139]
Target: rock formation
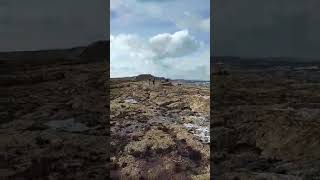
[158,131]
[266,124]
[53,125]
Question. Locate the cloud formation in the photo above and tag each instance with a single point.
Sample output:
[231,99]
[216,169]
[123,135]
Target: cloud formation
[171,55]
[158,47]
[167,38]
[173,45]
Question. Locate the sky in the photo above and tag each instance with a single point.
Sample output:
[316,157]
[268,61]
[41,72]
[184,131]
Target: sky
[273,28]
[167,38]
[52,24]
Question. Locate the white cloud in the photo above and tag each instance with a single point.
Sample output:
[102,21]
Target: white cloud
[183,54]
[173,45]
[195,67]
[129,55]
[161,46]
[171,55]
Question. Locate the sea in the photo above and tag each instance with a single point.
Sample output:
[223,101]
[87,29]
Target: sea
[193,83]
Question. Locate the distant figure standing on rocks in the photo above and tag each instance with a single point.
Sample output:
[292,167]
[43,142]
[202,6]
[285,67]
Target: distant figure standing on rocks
[153,81]
[149,81]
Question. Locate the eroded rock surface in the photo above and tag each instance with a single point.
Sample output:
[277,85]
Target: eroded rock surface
[148,136]
[266,123]
[55,126]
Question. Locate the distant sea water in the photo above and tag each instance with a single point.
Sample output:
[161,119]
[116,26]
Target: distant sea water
[193,83]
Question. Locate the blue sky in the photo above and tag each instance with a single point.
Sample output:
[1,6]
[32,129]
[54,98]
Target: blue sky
[169,38]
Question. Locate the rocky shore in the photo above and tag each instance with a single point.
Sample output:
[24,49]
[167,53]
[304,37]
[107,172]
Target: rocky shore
[159,131]
[265,122]
[53,123]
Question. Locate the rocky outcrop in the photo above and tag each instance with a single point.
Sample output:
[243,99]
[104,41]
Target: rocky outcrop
[97,50]
[55,124]
[148,137]
[146,77]
[264,125]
